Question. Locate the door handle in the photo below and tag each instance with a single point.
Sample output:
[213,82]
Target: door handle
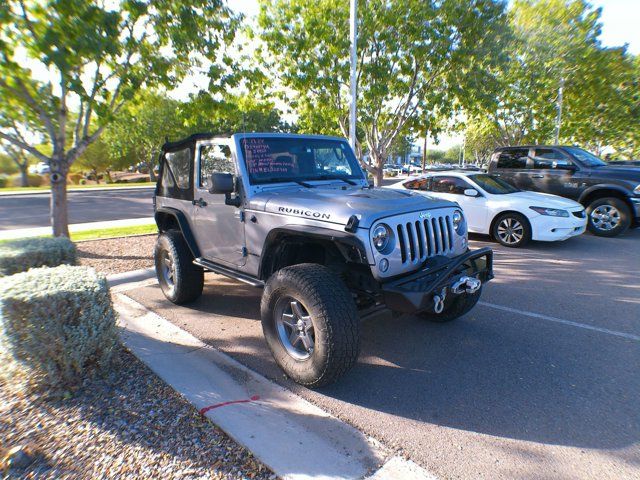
[200,202]
[537,176]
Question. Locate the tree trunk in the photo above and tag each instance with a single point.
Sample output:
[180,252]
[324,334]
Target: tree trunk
[24,176]
[152,174]
[59,211]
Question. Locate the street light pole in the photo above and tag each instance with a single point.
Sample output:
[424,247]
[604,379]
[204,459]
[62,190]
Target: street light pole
[353,33]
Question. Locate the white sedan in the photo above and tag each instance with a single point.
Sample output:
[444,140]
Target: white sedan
[492,206]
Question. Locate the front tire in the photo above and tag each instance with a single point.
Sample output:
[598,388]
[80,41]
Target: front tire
[459,306]
[511,230]
[180,280]
[311,324]
[608,217]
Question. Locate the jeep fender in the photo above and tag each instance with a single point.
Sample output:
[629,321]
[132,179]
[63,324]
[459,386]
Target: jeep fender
[168,218]
[350,247]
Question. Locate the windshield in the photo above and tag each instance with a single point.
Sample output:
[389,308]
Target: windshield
[282,159]
[586,158]
[492,184]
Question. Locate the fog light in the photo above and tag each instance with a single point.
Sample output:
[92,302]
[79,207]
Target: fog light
[384,265]
[464,242]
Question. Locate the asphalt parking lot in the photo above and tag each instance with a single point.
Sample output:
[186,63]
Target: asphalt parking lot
[539,381]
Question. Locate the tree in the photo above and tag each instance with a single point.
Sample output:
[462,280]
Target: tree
[555,44]
[230,113]
[57,56]
[141,128]
[417,59]
[96,158]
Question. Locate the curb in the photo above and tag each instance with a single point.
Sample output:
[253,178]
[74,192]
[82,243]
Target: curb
[76,227]
[130,277]
[296,439]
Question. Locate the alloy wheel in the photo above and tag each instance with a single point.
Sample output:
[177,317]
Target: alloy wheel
[605,217]
[168,269]
[510,231]
[295,328]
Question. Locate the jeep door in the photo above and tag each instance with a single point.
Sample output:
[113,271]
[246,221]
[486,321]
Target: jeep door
[511,166]
[552,171]
[219,227]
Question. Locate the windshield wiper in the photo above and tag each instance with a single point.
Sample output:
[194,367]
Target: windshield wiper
[284,180]
[335,177]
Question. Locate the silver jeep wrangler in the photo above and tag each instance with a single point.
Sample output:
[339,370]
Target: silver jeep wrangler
[294,214]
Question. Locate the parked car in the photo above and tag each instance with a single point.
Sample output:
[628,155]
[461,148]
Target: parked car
[494,207]
[40,168]
[327,248]
[388,168]
[611,195]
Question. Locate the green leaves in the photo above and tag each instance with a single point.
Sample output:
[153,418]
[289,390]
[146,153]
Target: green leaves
[417,60]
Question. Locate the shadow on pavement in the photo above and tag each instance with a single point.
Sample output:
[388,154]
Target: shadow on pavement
[489,372]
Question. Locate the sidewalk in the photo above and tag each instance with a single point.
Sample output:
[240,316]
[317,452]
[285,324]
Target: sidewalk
[13,193]
[296,439]
[77,227]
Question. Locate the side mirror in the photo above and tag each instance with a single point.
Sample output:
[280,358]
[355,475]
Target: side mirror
[471,192]
[222,183]
[563,166]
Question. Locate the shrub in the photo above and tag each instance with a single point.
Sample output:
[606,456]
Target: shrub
[83,181]
[57,325]
[32,180]
[21,255]
[3,181]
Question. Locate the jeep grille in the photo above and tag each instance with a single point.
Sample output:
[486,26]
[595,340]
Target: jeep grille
[422,239]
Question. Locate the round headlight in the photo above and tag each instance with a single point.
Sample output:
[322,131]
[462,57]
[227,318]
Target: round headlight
[380,237]
[458,222]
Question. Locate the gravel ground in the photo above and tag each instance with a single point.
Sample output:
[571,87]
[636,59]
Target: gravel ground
[117,255]
[131,425]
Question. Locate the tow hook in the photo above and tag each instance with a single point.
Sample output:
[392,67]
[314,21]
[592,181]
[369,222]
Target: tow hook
[438,301]
[466,285]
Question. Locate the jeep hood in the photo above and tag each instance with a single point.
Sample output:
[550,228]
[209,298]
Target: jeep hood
[336,204]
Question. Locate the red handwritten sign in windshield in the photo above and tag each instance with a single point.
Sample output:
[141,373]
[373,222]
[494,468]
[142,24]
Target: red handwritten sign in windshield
[262,161]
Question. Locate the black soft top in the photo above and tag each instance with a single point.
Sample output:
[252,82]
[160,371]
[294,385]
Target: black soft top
[187,142]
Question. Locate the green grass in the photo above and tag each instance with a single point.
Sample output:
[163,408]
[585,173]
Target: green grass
[113,232]
[102,233]
[75,187]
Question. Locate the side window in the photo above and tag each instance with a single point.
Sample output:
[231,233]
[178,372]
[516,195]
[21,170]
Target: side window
[180,164]
[513,158]
[214,159]
[548,158]
[453,185]
[417,184]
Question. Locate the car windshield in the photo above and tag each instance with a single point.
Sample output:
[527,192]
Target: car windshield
[290,159]
[493,185]
[586,158]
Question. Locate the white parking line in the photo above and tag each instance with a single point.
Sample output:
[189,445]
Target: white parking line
[539,316]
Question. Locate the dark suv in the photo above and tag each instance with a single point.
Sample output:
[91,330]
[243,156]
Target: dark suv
[610,194]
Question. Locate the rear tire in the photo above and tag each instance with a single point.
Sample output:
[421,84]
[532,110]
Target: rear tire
[608,217]
[459,306]
[511,230]
[180,280]
[311,324]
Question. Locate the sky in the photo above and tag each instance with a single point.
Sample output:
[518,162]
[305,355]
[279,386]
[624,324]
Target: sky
[620,25]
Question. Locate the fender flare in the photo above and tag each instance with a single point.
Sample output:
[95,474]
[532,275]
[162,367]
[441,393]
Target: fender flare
[182,222]
[603,186]
[350,247]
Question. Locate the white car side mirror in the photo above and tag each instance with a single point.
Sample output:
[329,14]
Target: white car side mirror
[471,192]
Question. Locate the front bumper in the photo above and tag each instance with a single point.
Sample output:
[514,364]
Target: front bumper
[551,229]
[415,292]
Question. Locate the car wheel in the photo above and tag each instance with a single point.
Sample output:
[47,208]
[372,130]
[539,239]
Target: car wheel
[459,305]
[511,230]
[310,323]
[608,217]
[180,280]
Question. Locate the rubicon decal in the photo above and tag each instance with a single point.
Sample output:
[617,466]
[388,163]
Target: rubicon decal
[304,213]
